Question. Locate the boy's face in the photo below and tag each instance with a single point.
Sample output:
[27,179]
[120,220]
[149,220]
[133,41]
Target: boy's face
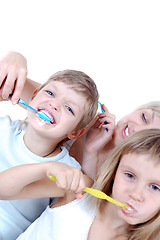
[62,104]
[137,183]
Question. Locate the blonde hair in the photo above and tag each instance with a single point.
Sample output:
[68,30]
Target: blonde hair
[82,84]
[155,106]
[143,142]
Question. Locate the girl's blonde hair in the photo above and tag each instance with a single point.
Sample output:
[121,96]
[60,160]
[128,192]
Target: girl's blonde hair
[143,142]
[155,106]
[82,84]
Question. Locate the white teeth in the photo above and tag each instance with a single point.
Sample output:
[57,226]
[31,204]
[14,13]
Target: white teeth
[47,113]
[126,132]
[130,209]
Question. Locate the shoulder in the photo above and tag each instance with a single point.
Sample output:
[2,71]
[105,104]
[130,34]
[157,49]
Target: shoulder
[64,157]
[7,121]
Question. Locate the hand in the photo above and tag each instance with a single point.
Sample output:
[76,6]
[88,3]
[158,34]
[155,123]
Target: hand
[97,136]
[13,74]
[68,178]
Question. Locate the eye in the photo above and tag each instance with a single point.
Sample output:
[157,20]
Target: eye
[50,93]
[70,109]
[144,117]
[130,175]
[155,188]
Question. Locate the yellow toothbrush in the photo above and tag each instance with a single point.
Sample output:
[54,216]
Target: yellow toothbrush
[98,194]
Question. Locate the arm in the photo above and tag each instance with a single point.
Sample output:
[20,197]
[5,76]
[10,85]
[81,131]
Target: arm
[95,140]
[31,181]
[28,90]
[13,78]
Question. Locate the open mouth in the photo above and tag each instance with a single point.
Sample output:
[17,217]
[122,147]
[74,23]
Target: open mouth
[129,210]
[47,114]
[126,131]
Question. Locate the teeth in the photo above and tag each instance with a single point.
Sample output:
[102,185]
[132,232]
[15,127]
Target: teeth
[126,132]
[130,209]
[48,114]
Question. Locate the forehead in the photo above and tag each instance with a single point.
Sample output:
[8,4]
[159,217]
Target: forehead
[61,86]
[66,92]
[144,164]
[139,159]
[150,115]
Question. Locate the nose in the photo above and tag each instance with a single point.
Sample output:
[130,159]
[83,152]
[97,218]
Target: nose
[137,194]
[55,105]
[137,128]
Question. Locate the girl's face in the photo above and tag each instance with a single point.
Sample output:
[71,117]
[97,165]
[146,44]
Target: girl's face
[62,104]
[137,183]
[134,122]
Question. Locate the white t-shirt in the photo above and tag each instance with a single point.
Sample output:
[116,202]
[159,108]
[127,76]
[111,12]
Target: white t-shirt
[17,215]
[71,221]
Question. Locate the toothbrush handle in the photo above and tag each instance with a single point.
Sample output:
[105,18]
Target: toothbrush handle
[25,104]
[40,114]
[21,101]
[96,193]
[102,112]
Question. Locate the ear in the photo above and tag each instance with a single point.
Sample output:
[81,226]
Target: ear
[76,133]
[34,94]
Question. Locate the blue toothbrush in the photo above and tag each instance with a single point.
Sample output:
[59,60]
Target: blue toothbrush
[102,112]
[40,114]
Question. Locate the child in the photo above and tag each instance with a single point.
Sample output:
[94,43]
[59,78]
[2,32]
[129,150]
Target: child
[91,148]
[130,174]
[70,99]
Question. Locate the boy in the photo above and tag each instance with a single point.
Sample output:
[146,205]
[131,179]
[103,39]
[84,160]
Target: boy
[70,99]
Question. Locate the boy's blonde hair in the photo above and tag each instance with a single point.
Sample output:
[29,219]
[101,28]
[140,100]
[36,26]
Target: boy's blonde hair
[82,84]
[143,142]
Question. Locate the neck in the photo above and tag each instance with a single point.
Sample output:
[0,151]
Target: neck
[51,153]
[102,155]
[41,146]
[109,217]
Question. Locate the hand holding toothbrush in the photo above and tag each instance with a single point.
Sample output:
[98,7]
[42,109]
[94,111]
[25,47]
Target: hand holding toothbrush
[97,136]
[13,75]
[96,139]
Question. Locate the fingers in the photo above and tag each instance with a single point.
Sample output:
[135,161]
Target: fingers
[7,85]
[106,119]
[19,84]
[72,180]
[13,74]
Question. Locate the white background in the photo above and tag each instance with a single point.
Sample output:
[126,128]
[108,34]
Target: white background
[117,43]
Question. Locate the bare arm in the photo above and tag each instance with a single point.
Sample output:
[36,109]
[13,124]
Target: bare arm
[31,181]
[28,90]
[95,140]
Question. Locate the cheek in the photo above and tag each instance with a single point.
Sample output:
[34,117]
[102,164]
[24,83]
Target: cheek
[32,103]
[151,209]
[118,186]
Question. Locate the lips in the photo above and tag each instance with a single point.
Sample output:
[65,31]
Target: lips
[129,211]
[125,132]
[48,114]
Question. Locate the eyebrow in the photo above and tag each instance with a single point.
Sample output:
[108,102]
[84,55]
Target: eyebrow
[71,101]
[128,168]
